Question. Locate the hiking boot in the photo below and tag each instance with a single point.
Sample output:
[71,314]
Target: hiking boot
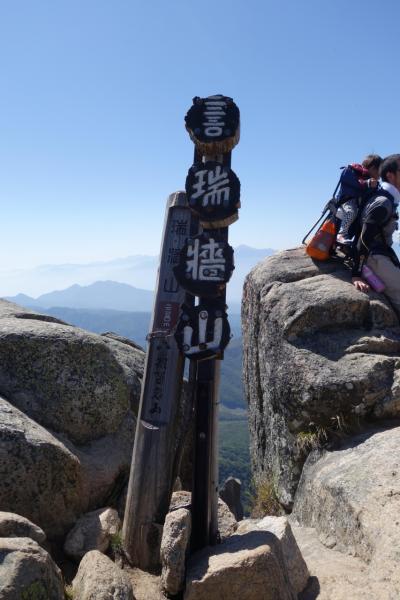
[342,250]
[342,240]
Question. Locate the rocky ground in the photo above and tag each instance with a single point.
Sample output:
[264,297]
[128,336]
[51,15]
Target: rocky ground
[322,376]
[333,575]
[68,407]
[322,372]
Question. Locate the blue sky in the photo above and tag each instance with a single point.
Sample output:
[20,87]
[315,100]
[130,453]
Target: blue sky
[94,93]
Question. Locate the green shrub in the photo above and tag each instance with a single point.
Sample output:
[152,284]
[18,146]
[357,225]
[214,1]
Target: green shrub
[116,543]
[265,501]
[69,592]
[310,440]
[35,591]
[334,429]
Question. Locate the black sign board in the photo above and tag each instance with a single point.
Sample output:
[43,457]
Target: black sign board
[205,265]
[203,331]
[213,193]
[213,124]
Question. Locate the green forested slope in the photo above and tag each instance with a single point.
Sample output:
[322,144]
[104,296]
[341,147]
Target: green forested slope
[234,455]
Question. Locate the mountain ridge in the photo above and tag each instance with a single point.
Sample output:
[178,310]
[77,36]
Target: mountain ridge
[136,270]
[98,295]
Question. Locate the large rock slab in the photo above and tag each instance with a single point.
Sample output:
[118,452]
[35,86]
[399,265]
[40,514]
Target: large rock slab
[250,566]
[317,354]
[351,497]
[106,462]
[92,531]
[98,578]
[27,571]
[40,478]
[296,567]
[67,379]
[336,576]
[13,525]
[49,480]
[84,389]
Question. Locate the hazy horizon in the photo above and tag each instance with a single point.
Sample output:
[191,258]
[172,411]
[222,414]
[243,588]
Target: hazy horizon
[137,270]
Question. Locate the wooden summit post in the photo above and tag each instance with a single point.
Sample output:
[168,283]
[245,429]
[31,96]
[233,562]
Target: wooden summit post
[196,261]
[152,470]
[206,265]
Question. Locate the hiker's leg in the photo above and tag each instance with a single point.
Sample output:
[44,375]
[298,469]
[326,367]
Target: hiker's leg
[346,213]
[390,275]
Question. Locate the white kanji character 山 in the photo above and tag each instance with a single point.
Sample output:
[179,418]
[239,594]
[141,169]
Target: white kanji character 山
[203,344]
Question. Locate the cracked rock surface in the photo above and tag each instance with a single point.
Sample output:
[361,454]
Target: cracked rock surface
[351,498]
[318,355]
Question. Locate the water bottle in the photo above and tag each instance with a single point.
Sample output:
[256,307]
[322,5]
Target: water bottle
[373,280]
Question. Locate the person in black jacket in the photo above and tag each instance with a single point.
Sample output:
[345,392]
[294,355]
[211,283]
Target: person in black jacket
[379,220]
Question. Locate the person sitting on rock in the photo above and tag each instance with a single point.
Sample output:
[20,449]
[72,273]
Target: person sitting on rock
[356,182]
[379,220]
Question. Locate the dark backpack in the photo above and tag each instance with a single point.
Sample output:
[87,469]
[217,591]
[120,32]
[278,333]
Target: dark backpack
[347,188]
[349,183]
[380,246]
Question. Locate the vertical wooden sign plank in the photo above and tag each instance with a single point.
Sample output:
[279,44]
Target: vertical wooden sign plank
[152,470]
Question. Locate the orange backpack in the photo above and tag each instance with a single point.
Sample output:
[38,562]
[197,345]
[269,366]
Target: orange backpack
[320,246]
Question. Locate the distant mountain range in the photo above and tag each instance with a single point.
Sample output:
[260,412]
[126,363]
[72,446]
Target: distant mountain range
[139,271]
[99,295]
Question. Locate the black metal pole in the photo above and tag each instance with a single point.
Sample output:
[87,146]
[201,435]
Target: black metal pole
[206,265]
[201,509]
[205,480]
